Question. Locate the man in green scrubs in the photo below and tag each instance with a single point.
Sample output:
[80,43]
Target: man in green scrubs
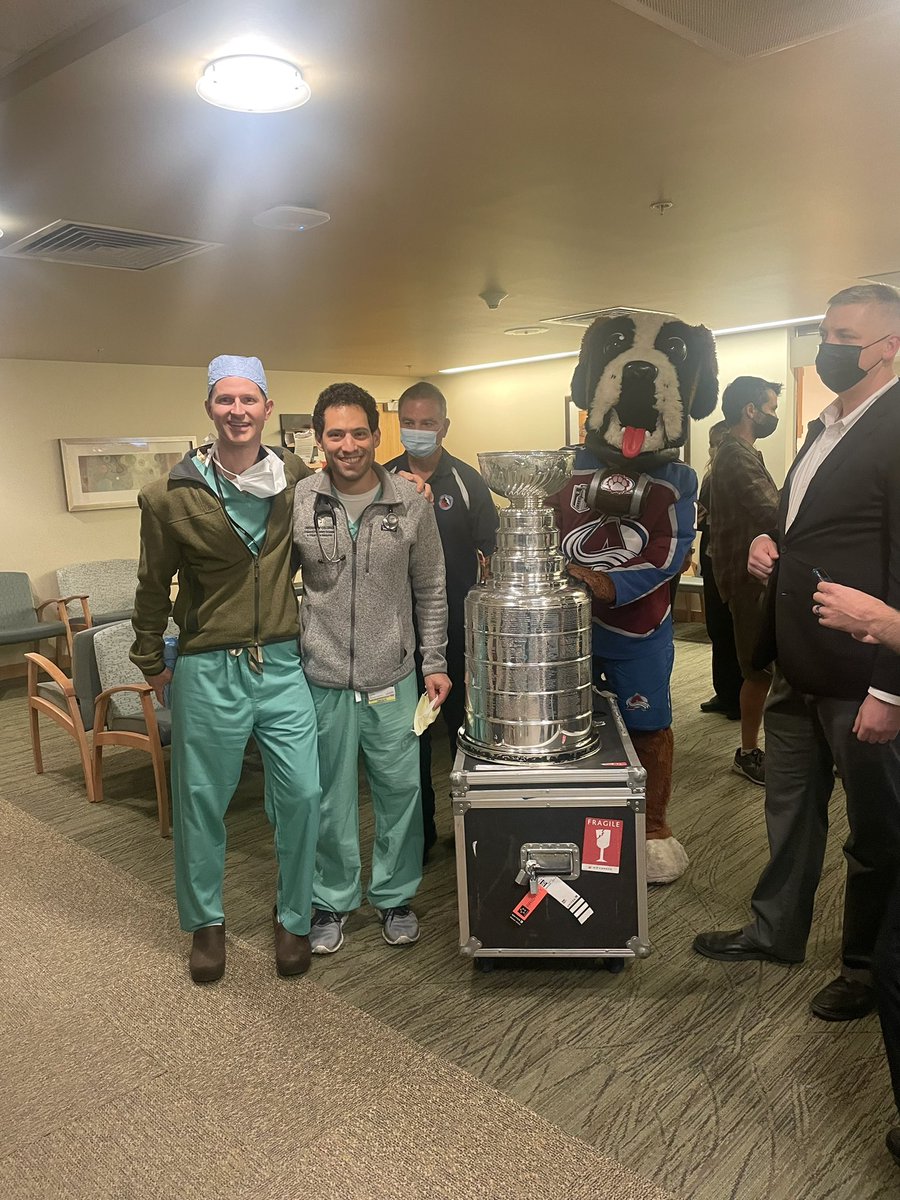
[221,522]
[370,553]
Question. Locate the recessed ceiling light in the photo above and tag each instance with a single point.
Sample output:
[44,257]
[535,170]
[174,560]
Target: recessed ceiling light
[526,330]
[253,83]
[291,218]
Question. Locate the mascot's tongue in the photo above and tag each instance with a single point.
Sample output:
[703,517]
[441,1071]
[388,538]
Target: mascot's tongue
[632,441]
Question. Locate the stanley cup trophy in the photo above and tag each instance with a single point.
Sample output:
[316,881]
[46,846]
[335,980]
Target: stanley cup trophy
[528,627]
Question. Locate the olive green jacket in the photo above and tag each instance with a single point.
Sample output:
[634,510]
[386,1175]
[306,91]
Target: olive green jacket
[227,597]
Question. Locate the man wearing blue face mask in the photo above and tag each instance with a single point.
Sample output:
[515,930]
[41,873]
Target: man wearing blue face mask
[467,522]
[835,702]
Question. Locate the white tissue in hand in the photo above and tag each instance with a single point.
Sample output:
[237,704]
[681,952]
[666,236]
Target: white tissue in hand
[424,715]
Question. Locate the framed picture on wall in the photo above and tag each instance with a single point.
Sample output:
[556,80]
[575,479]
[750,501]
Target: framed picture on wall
[575,419]
[109,472]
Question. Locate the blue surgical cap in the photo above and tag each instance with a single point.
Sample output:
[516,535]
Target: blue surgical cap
[227,366]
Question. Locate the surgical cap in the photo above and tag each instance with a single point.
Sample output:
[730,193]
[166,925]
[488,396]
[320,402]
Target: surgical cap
[227,366]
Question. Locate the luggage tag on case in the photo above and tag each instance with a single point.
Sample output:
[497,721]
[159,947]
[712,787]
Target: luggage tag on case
[527,905]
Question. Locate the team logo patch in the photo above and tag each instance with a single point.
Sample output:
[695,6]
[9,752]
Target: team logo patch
[445,502]
[578,502]
[637,701]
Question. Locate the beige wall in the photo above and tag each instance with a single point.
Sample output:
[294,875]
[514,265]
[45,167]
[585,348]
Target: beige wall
[44,401]
[522,408]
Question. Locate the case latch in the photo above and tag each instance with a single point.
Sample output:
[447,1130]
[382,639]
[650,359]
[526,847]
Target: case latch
[548,858]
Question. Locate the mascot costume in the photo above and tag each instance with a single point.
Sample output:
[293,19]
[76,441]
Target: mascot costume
[627,521]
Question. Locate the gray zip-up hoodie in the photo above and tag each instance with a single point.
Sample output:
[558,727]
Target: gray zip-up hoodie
[356,616]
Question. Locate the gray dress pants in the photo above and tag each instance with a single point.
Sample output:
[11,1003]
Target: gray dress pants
[805,737]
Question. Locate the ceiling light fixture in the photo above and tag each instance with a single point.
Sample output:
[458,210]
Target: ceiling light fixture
[526,330]
[515,362]
[253,83]
[291,218]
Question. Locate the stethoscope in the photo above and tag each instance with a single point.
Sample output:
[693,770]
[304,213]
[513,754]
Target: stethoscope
[324,518]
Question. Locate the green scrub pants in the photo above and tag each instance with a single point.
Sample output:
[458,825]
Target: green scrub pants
[217,703]
[348,722]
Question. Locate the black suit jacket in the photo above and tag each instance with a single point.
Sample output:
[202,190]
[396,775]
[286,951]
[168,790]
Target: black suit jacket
[849,526]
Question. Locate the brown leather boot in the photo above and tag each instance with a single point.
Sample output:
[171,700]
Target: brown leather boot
[292,952]
[207,961]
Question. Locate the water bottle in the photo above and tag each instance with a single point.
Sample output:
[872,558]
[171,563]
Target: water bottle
[170,653]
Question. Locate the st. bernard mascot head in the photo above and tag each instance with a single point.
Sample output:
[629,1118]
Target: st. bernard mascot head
[641,377]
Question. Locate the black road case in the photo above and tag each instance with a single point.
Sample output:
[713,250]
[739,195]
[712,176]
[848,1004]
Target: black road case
[550,857]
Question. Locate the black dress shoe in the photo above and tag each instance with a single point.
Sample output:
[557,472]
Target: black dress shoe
[732,946]
[843,1000]
[207,961]
[715,704]
[892,1141]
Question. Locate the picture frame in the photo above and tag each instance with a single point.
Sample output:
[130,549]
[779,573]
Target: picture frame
[575,419]
[109,472]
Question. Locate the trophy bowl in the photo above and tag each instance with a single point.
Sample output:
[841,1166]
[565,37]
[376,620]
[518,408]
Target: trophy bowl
[525,477]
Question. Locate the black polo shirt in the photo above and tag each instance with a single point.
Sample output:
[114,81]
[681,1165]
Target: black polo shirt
[467,521]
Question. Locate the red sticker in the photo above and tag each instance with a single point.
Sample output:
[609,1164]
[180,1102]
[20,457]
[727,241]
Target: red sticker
[527,905]
[602,849]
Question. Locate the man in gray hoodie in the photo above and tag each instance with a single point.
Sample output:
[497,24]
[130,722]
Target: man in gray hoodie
[370,552]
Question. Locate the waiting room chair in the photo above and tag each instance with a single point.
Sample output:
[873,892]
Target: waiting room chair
[126,713]
[68,702]
[104,590]
[20,618]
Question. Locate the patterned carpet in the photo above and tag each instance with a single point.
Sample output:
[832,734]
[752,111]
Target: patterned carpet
[711,1080]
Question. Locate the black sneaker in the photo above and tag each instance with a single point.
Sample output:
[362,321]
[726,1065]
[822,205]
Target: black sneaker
[751,765]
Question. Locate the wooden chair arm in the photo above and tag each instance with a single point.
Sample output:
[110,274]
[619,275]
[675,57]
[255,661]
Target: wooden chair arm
[37,662]
[39,608]
[144,690]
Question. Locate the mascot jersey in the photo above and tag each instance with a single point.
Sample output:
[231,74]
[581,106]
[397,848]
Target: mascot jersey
[640,554]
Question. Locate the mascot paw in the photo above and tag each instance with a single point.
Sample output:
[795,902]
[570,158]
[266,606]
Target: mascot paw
[667,860]
[600,583]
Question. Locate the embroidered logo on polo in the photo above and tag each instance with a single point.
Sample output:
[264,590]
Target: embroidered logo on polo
[445,502]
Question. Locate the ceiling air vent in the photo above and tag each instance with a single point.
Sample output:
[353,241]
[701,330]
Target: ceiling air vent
[583,319]
[104,246]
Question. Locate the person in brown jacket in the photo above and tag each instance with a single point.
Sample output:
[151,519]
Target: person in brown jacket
[743,503]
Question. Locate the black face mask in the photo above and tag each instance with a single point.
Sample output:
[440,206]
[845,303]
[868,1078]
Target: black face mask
[765,425]
[838,366]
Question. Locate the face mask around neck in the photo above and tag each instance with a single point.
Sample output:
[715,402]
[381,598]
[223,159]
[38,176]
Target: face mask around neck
[264,478]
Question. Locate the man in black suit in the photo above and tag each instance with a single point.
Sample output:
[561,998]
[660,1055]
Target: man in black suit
[834,701]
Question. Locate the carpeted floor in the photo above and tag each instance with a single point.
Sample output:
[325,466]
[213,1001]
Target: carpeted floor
[711,1080]
[121,1081]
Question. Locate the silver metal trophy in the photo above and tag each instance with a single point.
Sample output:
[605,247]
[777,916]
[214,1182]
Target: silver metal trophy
[528,628]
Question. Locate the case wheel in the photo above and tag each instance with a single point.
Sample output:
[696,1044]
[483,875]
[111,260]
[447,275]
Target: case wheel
[484,964]
[615,966]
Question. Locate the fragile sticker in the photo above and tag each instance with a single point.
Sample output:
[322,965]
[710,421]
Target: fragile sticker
[527,905]
[602,850]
